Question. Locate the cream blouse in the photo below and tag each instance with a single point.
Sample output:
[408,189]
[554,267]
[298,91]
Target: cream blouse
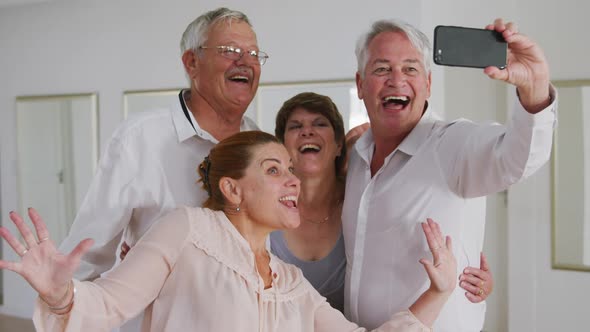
[194,271]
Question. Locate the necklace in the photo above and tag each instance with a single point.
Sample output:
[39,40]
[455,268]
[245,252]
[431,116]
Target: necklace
[315,221]
[323,221]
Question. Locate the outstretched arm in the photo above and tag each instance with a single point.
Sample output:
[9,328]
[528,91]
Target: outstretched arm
[487,158]
[47,270]
[108,301]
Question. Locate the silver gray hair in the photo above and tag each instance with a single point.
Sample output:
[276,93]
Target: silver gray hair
[196,32]
[418,39]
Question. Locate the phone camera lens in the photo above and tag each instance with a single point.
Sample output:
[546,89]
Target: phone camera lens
[438,55]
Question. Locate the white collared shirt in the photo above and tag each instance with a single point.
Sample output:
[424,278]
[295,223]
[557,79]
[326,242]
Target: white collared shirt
[442,170]
[148,168]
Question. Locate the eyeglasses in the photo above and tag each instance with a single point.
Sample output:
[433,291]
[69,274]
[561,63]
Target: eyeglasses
[236,53]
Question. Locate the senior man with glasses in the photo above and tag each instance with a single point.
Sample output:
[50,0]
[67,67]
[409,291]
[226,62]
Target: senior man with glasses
[149,166]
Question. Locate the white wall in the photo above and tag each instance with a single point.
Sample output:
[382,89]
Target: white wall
[543,299]
[112,46]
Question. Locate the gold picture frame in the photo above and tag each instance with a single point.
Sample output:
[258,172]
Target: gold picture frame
[267,102]
[570,178]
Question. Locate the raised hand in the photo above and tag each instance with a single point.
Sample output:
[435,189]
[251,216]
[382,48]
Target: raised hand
[527,67]
[442,270]
[48,271]
[478,283]
[354,134]
[351,137]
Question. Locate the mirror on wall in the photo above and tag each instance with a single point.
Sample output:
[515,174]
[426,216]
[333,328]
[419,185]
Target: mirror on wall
[146,100]
[267,102]
[571,178]
[143,100]
[57,153]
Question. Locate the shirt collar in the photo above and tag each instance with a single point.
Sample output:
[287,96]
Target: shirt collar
[218,237]
[185,130]
[418,135]
[410,145]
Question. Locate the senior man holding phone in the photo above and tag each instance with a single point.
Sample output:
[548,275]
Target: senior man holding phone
[410,165]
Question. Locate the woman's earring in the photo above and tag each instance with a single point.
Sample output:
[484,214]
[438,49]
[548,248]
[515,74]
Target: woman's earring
[238,209]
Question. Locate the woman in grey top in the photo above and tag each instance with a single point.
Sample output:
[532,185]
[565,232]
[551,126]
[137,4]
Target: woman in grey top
[312,130]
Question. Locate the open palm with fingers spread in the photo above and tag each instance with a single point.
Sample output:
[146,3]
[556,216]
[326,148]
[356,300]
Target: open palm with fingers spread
[442,270]
[47,270]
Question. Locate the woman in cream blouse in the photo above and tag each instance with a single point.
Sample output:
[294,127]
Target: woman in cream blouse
[208,269]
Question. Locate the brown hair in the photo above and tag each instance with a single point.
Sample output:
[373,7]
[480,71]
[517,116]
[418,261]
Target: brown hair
[318,104]
[230,158]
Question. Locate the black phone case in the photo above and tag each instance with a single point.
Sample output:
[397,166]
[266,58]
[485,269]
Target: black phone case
[468,47]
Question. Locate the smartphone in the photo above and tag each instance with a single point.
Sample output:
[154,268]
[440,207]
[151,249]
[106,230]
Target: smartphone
[469,47]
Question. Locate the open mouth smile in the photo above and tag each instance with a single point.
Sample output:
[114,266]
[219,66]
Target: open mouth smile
[395,102]
[289,201]
[306,148]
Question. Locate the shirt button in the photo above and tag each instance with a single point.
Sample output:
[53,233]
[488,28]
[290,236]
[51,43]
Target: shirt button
[274,275]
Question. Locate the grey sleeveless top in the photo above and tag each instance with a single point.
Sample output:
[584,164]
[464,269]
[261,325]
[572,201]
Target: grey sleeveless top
[325,275]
